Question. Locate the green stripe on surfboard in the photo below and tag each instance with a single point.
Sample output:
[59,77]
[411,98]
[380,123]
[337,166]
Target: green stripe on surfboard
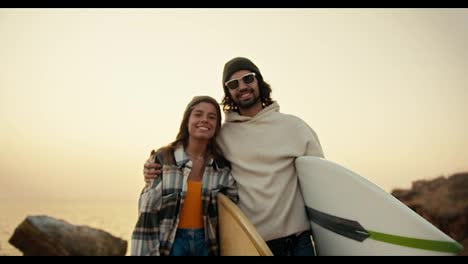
[434,245]
[353,230]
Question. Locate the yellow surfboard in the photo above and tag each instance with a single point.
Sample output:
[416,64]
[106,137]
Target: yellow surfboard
[238,237]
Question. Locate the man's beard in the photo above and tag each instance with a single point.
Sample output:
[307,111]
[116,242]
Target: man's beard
[249,103]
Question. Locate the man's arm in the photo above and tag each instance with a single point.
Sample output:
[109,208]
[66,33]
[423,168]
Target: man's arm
[151,169]
[313,147]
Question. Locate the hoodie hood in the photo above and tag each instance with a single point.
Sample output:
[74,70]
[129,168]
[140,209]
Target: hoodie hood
[233,116]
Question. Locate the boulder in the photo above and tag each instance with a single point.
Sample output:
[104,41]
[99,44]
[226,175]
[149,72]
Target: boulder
[46,236]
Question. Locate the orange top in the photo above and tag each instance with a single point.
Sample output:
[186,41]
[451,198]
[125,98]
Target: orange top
[191,214]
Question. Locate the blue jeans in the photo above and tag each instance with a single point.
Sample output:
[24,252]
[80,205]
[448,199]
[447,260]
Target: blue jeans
[292,245]
[189,242]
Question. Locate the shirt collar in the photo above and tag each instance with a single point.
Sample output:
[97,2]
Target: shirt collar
[181,158]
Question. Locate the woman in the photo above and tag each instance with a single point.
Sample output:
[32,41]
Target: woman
[178,211]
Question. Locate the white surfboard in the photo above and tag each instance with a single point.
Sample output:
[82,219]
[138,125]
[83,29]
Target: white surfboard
[349,215]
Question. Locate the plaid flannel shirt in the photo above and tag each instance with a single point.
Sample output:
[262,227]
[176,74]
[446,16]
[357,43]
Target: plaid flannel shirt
[161,200]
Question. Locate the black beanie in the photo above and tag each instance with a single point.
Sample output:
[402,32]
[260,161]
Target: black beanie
[237,64]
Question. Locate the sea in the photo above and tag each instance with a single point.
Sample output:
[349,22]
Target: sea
[115,217]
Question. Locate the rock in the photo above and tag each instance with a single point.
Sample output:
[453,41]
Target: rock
[443,202]
[47,236]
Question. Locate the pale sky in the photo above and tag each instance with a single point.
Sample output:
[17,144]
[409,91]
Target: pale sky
[85,94]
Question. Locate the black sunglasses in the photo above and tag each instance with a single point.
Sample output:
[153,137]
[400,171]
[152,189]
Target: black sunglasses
[234,83]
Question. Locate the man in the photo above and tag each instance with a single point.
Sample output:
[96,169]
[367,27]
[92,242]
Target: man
[261,143]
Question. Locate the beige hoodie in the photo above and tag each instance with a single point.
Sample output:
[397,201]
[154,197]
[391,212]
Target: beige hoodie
[262,150]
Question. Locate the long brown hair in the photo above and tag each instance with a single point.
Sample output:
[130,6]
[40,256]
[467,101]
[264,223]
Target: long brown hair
[213,148]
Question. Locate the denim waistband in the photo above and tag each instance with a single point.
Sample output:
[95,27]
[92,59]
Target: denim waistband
[191,233]
[287,240]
